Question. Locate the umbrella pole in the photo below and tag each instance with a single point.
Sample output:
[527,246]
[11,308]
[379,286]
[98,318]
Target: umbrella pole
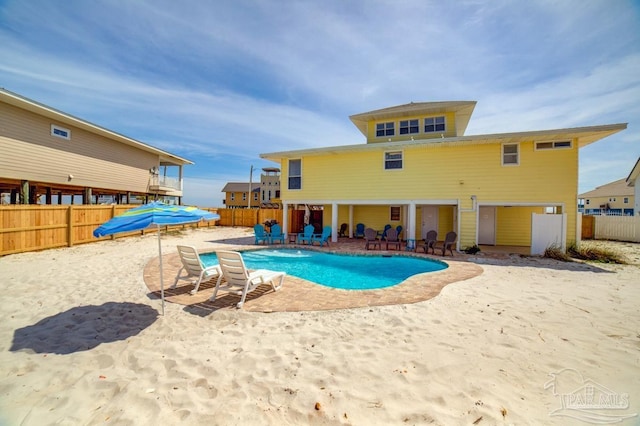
[161,273]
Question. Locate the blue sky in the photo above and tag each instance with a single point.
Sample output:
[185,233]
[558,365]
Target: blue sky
[219,82]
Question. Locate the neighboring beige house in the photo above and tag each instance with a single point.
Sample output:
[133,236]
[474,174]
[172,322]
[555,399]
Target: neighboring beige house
[47,156]
[633,180]
[265,194]
[614,198]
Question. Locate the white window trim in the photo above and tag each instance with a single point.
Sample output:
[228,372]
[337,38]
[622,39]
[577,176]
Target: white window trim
[399,213]
[517,163]
[289,174]
[55,127]
[424,124]
[553,145]
[384,160]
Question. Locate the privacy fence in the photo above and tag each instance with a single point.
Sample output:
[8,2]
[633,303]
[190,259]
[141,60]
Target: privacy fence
[619,228]
[38,227]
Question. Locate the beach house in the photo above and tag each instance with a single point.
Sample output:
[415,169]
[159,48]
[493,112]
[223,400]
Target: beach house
[264,194]
[419,170]
[50,157]
[613,198]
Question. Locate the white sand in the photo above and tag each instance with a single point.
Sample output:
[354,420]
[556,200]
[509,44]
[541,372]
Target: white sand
[81,343]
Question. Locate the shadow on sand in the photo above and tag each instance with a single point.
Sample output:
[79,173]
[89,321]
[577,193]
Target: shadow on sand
[83,328]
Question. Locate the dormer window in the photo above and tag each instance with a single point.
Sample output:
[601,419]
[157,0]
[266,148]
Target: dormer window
[434,124]
[409,126]
[385,129]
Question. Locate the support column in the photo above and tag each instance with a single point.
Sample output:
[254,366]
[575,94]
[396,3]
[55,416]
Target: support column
[24,192]
[350,220]
[48,196]
[285,219]
[334,223]
[411,222]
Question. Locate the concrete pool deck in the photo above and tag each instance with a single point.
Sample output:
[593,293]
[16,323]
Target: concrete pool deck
[301,295]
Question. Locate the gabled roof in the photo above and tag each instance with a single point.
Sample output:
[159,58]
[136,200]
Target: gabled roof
[584,135]
[635,172]
[463,110]
[241,187]
[61,117]
[617,188]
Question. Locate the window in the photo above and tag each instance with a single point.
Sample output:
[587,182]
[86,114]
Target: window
[244,196]
[394,213]
[393,160]
[295,174]
[60,132]
[255,196]
[588,201]
[553,145]
[385,129]
[408,127]
[434,124]
[233,196]
[510,154]
[625,200]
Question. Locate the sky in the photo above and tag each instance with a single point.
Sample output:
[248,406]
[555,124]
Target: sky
[220,82]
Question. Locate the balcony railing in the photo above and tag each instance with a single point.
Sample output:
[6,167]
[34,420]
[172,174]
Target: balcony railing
[164,183]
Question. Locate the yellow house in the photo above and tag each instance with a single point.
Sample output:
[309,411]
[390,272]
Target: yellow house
[418,170]
[236,195]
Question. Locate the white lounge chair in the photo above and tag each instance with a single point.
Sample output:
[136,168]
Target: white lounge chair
[238,278]
[193,266]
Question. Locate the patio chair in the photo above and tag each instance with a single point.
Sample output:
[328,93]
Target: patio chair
[238,279]
[448,243]
[399,229]
[194,268]
[391,238]
[343,230]
[429,241]
[260,234]
[359,231]
[383,234]
[306,235]
[276,234]
[322,238]
[371,239]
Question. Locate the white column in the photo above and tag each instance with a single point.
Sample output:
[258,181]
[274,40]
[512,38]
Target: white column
[350,220]
[411,222]
[285,219]
[334,223]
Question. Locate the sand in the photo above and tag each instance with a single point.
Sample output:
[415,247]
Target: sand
[81,343]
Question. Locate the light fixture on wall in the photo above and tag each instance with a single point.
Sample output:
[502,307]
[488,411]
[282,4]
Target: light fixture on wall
[153,170]
[70,177]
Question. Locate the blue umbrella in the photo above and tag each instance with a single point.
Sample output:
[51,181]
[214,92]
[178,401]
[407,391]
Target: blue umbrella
[155,213]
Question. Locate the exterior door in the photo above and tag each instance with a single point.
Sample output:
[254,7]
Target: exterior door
[487,226]
[429,219]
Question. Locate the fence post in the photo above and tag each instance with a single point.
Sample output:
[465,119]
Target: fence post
[69,226]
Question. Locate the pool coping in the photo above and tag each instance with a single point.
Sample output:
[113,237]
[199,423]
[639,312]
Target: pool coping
[298,295]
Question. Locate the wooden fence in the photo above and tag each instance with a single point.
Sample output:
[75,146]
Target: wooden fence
[26,228]
[620,228]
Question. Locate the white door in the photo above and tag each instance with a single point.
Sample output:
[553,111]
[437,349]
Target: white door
[548,230]
[487,226]
[429,219]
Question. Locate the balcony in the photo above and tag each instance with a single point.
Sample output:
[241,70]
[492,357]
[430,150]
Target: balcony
[165,185]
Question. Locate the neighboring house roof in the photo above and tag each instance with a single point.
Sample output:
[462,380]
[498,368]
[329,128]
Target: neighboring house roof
[241,187]
[463,110]
[617,188]
[635,172]
[585,136]
[46,111]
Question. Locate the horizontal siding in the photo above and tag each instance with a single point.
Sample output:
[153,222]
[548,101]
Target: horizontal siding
[29,152]
[514,225]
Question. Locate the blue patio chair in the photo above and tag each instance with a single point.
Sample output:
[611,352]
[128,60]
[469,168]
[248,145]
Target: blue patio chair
[399,230]
[260,235]
[276,234]
[306,235]
[322,238]
[383,234]
[359,231]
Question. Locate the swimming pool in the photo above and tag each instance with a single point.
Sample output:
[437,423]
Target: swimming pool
[350,272]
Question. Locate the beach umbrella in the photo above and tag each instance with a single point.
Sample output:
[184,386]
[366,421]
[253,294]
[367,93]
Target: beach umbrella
[155,213]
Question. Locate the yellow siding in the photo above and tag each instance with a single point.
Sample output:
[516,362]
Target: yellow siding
[442,172]
[514,225]
[450,128]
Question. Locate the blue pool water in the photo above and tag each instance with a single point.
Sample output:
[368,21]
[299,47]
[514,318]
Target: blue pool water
[351,272]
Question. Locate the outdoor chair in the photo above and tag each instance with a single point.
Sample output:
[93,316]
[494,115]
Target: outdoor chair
[276,234]
[194,268]
[448,243]
[260,234]
[429,242]
[371,239]
[343,230]
[359,231]
[391,238]
[306,235]
[238,279]
[322,238]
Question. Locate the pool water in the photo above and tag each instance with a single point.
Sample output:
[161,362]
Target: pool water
[350,272]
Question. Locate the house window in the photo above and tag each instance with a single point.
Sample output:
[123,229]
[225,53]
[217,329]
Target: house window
[409,126]
[295,174]
[553,145]
[393,160]
[625,200]
[510,154]
[233,196]
[60,132]
[385,129]
[588,201]
[255,196]
[394,213]
[244,196]
[434,124]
